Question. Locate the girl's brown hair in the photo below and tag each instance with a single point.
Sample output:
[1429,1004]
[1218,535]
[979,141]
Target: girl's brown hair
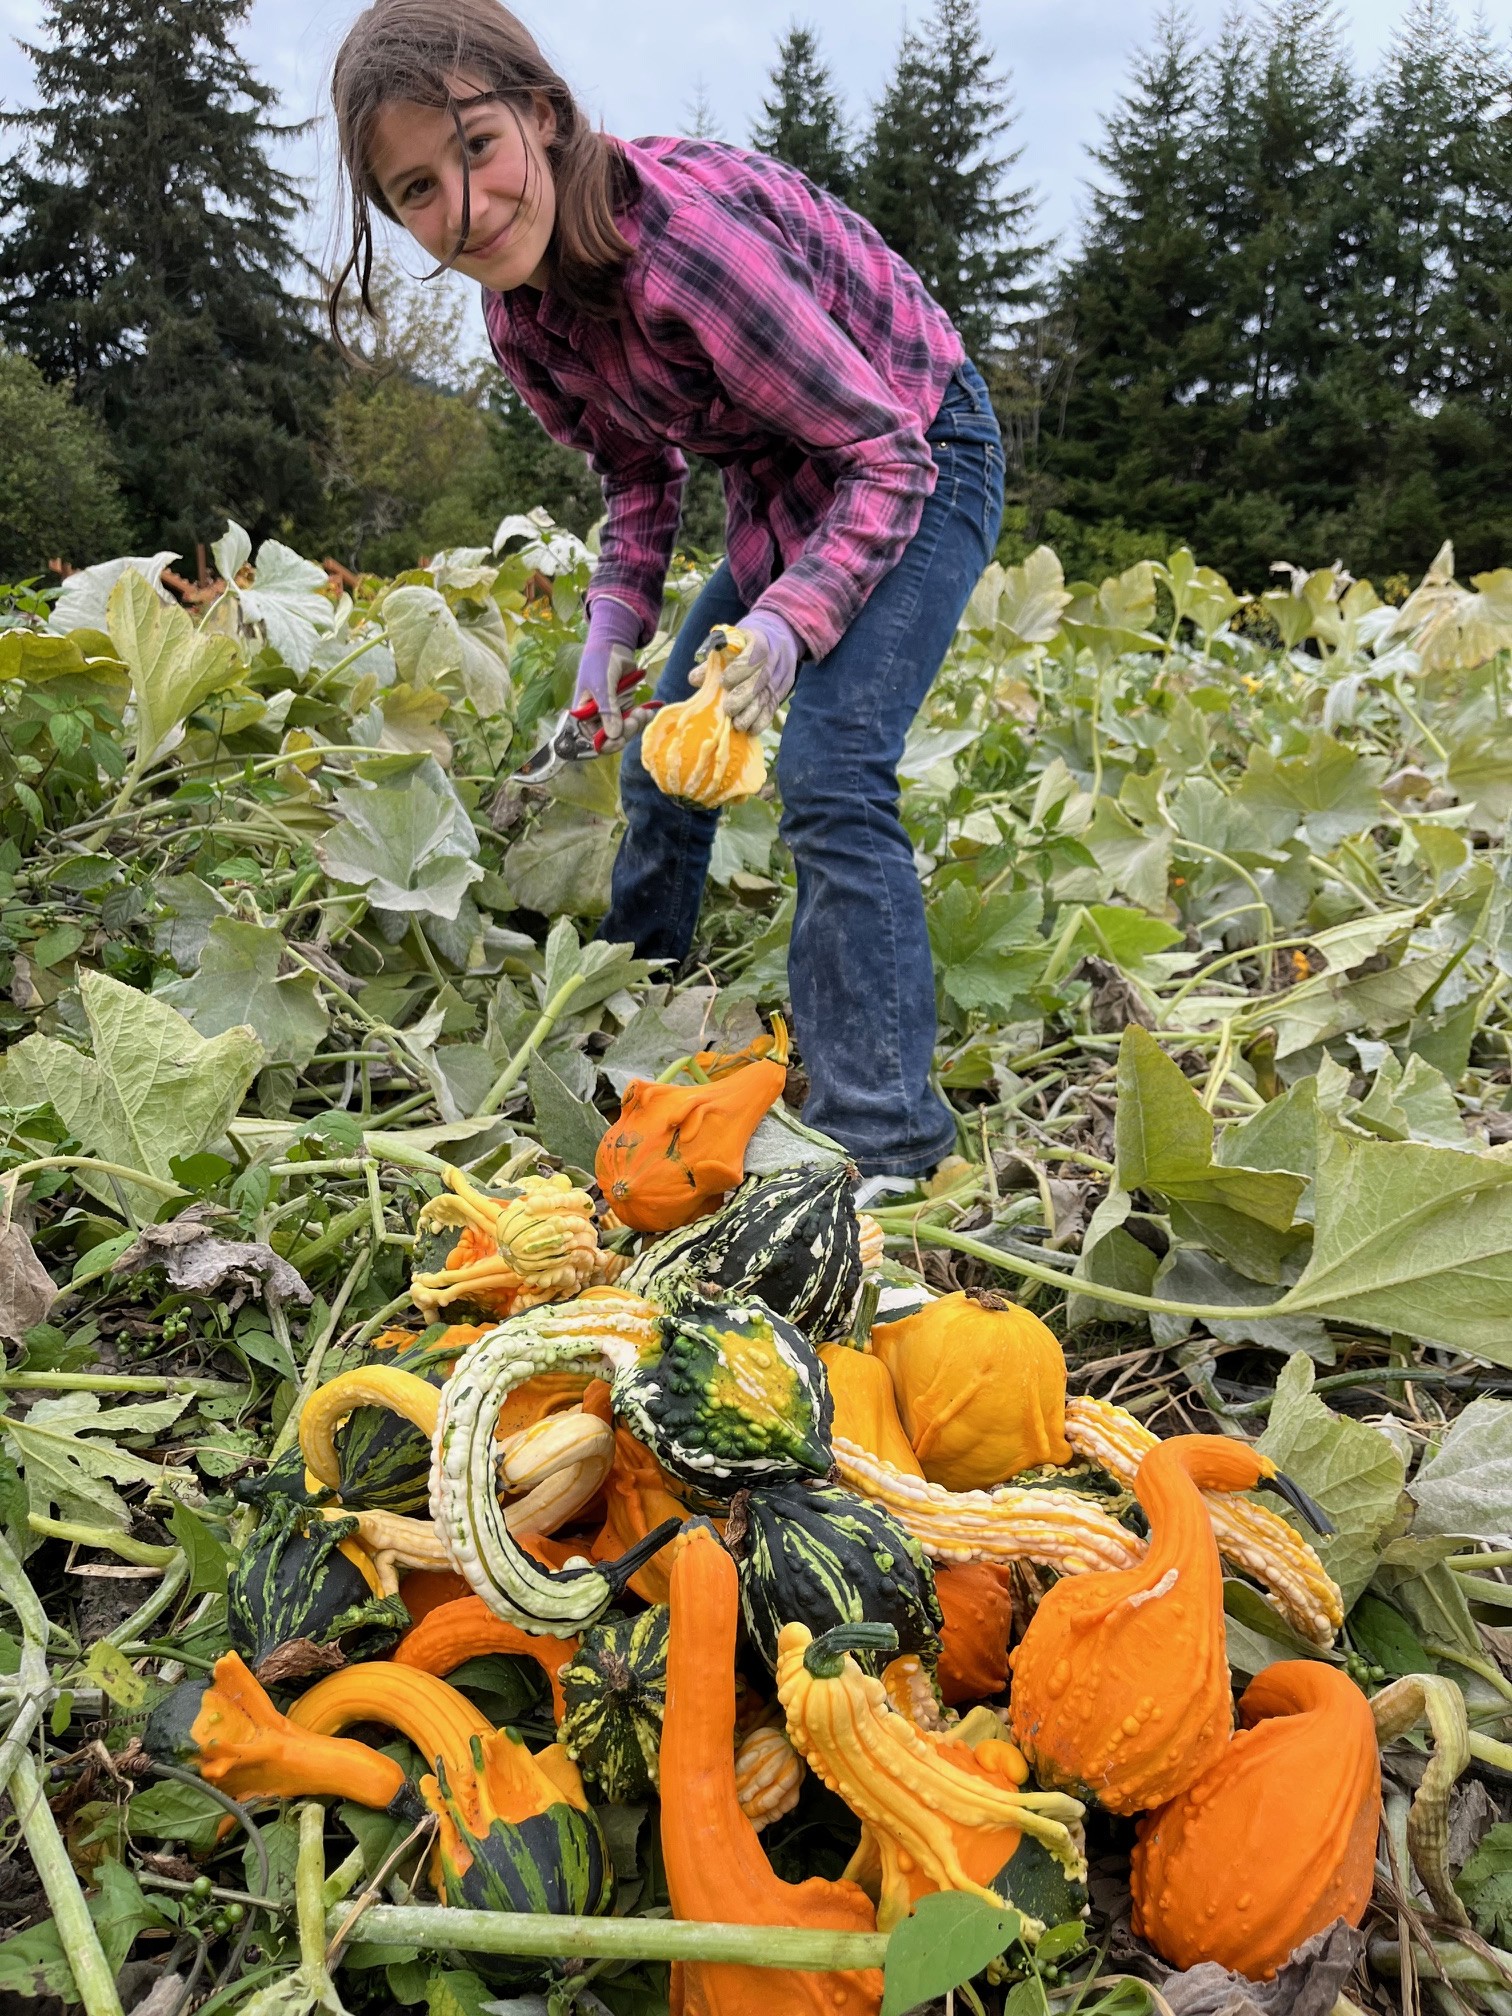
[410,50]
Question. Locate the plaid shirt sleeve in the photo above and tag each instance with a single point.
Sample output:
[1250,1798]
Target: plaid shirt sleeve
[747,303]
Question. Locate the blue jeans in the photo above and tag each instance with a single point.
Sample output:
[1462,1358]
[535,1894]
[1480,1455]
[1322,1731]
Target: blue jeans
[859,967]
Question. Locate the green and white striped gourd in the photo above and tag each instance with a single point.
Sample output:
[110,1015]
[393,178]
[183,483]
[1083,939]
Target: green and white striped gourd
[724,1394]
[793,1239]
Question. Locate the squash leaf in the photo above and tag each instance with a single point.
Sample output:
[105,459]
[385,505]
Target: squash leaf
[1352,1471]
[951,1936]
[154,1088]
[1414,1238]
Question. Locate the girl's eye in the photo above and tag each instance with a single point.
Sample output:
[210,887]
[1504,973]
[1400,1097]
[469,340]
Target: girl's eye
[478,144]
[414,191]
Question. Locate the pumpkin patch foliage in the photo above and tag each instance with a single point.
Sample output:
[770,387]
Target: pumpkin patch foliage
[491,1513]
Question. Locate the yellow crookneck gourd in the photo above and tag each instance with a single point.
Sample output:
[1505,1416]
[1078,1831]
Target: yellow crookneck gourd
[936,1814]
[1251,1536]
[692,748]
[1121,1682]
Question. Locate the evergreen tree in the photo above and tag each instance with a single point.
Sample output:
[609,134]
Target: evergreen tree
[802,122]
[702,122]
[58,493]
[145,258]
[931,177]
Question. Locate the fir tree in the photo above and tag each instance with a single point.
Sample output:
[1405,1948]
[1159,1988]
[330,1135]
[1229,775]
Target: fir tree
[931,176]
[802,122]
[145,261]
[702,122]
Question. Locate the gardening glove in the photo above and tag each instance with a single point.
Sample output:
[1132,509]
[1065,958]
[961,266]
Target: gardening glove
[613,633]
[760,679]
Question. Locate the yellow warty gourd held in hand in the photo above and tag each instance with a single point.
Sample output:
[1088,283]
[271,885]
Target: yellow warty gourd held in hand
[691,748]
[1277,1840]
[1121,1682]
[981,1388]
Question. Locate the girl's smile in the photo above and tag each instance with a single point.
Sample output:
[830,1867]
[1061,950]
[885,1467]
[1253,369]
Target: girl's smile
[509,211]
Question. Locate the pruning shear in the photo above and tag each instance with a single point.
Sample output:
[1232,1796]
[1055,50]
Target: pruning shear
[572,740]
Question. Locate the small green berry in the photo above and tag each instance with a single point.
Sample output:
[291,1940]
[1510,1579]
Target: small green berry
[201,1887]
[234,1913]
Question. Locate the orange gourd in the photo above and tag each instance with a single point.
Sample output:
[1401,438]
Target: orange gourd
[637,1497]
[1121,1682]
[467,1629]
[235,1738]
[981,1389]
[426,1589]
[676,1149]
[716,1868]
[1277,1839]
[693,750]
[977,1601]
[866,1407]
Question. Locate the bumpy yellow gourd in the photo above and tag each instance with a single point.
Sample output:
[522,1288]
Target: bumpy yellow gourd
[692,749]
[1249,1535]
[509,1253]
[936,1814]
[981,1388]
[1058,1529]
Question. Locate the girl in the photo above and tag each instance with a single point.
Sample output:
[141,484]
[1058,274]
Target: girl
[656,296]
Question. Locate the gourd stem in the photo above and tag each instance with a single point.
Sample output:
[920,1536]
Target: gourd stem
[824,1656]
[866,1314]
[140,1552]
[540,1935]
[76,1930]
[1488,1751]
[309,1904]
[174,1577]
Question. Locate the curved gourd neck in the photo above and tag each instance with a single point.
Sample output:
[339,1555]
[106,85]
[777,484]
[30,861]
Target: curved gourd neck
[1170,1483]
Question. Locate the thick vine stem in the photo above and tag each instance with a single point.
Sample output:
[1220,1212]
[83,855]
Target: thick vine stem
[561,1938]
[1397,1709]
[76,1930]
[309,1904]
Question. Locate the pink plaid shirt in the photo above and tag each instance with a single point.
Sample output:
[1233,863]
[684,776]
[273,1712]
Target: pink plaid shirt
[769,328]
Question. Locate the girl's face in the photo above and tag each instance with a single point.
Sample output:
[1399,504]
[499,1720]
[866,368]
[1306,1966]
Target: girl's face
[416,160]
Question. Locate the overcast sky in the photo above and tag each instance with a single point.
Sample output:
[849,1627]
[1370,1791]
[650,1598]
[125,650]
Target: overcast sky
[638,65]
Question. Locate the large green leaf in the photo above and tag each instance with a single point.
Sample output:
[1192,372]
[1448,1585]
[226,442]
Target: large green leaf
[1413,1238]
[173,666]
[1164,1143]
[1464,1488]
[239,983]
[1329,791]
[153,1089]
[409,847]
[562,865]
[70,1453]
[1352,1471]
[986,951]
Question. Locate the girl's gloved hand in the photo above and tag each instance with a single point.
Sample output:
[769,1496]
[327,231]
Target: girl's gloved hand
[613,633]
[760,679]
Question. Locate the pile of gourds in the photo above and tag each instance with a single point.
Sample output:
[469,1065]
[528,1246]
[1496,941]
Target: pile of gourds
[759,1506]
